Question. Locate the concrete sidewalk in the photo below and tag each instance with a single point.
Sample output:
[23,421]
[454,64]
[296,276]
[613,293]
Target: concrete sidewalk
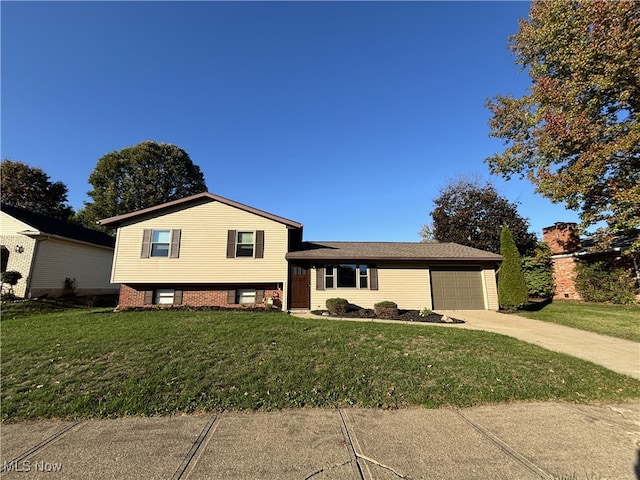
[517,441]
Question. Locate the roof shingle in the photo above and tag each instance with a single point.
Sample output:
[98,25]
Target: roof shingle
[403,251]
[54,226]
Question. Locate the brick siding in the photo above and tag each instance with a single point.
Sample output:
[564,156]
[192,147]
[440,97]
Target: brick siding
[564,277]
[198,295]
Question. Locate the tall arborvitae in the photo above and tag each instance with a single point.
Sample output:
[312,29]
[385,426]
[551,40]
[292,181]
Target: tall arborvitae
[512,288]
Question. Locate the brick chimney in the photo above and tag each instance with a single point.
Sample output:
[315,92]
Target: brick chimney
[562,237]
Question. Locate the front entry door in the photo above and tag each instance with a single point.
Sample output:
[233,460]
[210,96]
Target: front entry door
[300,286]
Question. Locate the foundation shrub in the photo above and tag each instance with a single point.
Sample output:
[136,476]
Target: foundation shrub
[386,309]
[337,306]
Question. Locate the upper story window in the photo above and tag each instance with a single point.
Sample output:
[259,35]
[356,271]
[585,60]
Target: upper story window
[244,244]
[160,242]
[248,244]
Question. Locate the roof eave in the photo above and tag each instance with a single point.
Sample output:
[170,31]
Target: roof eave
[394,259]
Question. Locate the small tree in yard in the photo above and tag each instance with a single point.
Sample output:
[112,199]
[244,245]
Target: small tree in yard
[538,272]
[11,278]
[512,288]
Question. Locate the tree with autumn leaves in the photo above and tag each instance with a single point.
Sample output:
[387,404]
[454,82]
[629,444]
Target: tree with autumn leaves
[576,134]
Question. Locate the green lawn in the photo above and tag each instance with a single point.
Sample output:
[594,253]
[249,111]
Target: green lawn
[622,321]
[81,364]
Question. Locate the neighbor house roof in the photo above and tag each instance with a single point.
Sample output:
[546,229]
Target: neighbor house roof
[48,226]
[188,201]
[399,251]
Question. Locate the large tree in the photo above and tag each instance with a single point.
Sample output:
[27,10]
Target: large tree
[576,134]
[31,188]
[138,177]
[471,213]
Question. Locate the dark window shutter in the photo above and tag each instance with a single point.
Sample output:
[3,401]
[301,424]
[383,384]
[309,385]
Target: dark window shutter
[320,278]
[177,297]
[259,243]
[231,244]
[146,243]
[231,297]
[148,297]
[259,296]
[373,277]
[174,250]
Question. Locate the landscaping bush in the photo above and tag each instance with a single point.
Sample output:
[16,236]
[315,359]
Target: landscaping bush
[386,309]
[337,306]
[512,289]
[538,272]
[603,282]
[11,278]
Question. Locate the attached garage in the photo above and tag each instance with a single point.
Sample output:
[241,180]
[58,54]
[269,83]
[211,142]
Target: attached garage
[457,288]
[437,276]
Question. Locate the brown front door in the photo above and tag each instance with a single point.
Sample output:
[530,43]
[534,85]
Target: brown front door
[299,286]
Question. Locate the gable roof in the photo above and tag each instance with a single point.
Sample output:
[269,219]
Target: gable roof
[187,202]
[44,225]
[399,251]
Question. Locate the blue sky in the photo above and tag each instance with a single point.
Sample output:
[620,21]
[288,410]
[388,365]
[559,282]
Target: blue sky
[348,117]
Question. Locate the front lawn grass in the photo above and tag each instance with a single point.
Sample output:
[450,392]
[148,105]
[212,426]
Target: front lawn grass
[82,364]
[622,321]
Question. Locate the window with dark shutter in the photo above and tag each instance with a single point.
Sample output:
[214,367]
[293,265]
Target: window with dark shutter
[373,277]
[231,245]
[174,251]
[231,297]
[177,297]
[148,297]
[320,278]
[259,244]
[146,243]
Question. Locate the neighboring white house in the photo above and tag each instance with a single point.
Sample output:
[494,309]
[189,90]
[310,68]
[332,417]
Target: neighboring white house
[46,251]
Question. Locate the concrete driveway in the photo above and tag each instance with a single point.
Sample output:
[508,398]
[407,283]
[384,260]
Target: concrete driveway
[622,356]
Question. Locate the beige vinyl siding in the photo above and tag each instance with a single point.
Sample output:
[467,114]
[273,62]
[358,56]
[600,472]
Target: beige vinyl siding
[406,285]
[57,259]
[490,289]
[203,249]
[9,225]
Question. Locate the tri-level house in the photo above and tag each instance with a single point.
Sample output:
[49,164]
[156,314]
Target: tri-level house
[207,250]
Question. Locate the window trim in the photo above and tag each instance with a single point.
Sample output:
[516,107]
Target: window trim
[332,273]
[152,243]
[233,243]
[245,245]
[173,250]
[151,296]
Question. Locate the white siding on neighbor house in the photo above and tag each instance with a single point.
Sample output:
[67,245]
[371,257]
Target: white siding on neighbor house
[10,226]
[58,259]
[20,262]
[203,249]
[406,285]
